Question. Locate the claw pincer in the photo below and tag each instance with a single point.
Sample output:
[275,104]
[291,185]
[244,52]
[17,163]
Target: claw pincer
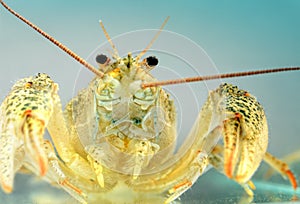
[24,115]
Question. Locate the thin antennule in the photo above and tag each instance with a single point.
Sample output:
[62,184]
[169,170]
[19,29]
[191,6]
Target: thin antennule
[219,76]
[109,40]
[153,39]
[54,41]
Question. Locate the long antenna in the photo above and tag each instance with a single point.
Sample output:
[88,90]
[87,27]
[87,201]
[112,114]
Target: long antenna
[153,39]
[109,39]
[219,76]
[54,41]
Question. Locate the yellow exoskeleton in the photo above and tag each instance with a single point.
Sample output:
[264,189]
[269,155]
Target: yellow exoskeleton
[118,136]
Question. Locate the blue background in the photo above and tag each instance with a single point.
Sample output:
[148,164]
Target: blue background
[237,35]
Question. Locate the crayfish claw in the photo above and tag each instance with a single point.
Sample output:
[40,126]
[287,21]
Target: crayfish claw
[33,130]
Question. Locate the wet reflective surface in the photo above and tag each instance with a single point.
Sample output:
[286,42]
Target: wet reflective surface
[211,188]
[215,188]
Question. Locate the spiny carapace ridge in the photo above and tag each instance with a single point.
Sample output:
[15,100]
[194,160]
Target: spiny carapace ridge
[145,85]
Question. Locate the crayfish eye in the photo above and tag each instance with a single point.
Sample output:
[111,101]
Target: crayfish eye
[101,59]
[152,61]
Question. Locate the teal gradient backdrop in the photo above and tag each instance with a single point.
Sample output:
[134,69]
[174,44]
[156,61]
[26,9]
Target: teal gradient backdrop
[237,35]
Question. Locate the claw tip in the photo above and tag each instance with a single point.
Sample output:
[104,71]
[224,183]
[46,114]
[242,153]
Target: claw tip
[7,188]
[43,166]
[292,178]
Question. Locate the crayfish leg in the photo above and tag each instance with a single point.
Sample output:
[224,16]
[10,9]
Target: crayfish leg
[198,165]
[98,169]
[57,174]
[282,168]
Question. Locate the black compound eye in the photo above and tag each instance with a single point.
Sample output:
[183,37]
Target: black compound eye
[101,59]
[152,61]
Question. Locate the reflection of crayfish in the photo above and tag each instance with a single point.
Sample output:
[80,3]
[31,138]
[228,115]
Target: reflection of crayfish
[131,122]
